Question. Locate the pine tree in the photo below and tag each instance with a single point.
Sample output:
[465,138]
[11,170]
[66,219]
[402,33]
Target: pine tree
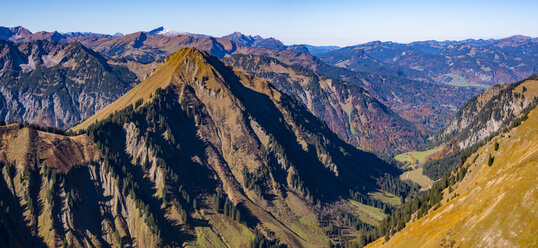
[490,160]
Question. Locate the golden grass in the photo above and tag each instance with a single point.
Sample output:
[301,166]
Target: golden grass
[495,205]
[386,197]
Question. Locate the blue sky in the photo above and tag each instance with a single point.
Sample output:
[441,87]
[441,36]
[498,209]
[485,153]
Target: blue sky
[294,21]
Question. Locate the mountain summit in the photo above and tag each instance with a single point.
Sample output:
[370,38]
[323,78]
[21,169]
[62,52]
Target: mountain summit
[199,154]
[171,33]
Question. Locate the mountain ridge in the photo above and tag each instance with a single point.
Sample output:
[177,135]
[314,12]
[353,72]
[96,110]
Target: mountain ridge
[367,123]
[468,62]
[263,166]
[58,84]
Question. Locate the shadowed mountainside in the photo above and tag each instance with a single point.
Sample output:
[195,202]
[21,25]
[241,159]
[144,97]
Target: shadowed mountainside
[198,154]
[350,111]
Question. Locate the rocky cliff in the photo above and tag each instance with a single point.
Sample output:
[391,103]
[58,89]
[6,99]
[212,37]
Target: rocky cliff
[58,84]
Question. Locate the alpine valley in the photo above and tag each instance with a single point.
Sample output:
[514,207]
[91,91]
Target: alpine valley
[166,138]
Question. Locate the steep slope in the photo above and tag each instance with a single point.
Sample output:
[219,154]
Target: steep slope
[490,111]
[201,155]
[431,105]
[57,84]
[348,110]
[466,63]
[483,116]
[35,208]
[494,204]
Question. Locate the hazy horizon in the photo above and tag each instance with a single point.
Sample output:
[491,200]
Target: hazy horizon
[338,23]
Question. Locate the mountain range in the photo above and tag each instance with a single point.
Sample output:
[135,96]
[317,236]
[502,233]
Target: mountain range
[173,139]
[58,84]
[409,99]
[350,111]
[465,63]
[200,154]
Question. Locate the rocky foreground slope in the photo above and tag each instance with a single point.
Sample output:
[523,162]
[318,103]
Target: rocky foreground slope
[490,111]
[494,205]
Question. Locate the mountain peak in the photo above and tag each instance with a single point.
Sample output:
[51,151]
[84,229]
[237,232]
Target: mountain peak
[236,33]
[184,65]
[156,30]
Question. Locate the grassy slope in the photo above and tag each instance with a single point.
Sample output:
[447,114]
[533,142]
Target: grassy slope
[493,206]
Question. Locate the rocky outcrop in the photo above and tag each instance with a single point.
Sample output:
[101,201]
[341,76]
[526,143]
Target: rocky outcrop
[489,112]
[56,84]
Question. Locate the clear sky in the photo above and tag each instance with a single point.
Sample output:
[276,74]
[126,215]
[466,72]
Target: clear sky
[338,22]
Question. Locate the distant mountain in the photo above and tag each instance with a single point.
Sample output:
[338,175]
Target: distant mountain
[274,44]
[349,110]
[21,35]
[255,41]
[78,34]
[466,63]
[298,48]
[14,33]
[241,39]
[487,200]
[146,47]
[58,84]
[317,50]
[171,33]
[431,105]
[199,154]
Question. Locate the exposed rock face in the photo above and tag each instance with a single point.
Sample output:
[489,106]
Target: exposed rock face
[59,186]
[349,110]
[57,84]
[490,111]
